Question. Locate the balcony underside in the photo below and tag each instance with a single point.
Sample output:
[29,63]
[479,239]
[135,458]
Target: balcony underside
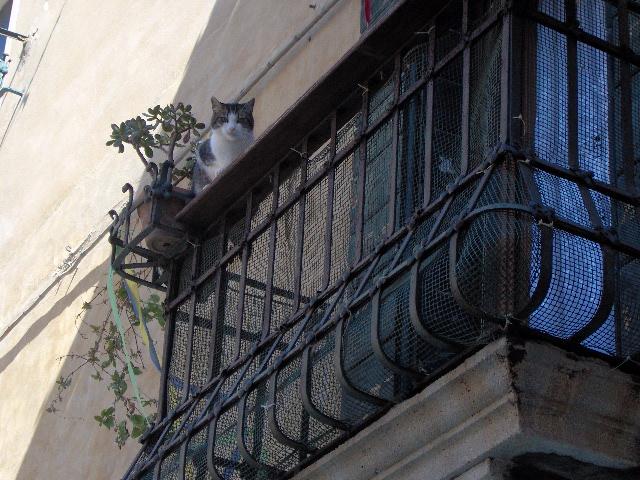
[516,406]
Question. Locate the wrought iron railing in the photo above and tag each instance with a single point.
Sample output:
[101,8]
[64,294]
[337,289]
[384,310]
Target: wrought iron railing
[145,234]
[474,183]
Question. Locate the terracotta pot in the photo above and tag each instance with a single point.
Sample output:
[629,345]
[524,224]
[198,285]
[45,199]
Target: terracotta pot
[168,237]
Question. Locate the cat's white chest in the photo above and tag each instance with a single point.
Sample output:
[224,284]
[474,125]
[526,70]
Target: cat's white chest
[224,153]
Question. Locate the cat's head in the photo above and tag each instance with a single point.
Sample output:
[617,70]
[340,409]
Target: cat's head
[235,120]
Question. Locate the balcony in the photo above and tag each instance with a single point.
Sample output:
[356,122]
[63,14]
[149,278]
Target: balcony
[465,173]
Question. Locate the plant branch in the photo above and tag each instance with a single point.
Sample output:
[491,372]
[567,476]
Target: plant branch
[144,160]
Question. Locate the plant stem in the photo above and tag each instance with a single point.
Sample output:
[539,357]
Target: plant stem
[144,160]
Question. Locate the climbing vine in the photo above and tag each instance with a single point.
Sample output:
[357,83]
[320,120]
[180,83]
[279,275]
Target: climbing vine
[106,359]
[114,355]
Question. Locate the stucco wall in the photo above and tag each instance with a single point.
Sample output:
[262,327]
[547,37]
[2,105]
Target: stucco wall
[92,63]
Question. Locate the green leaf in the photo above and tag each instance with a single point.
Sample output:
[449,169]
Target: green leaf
[199,125]
[106,418]
[121,293]
[122,434]
[139,425]
[137,431]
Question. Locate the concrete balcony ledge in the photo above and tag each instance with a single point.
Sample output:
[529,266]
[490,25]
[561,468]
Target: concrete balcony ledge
[513,410]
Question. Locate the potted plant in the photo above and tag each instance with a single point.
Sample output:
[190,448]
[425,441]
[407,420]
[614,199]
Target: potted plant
[161,129]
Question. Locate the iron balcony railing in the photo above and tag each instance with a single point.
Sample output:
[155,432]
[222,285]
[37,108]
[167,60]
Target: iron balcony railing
[483,179]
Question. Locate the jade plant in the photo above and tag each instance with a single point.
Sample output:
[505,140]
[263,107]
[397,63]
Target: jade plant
[160,128]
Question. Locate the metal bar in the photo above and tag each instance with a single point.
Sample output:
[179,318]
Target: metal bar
[221,207]
[167,345]
[302,199]
[416,320]
[18,36]
[341,375]
[572,87]
[544,277]
[326,274]
[142,265]
[138,280]
[307,402]
[505,79]
[362,165]
[242,446]
[573,118]
[272,420]
[192,313]
[584,37]
[466,98]
[156,470]
[626,104]
[428,135]
[391,206]
[246,250]
[133,464]
[576,177]
[607,297]
[182,452]
[436,225]
[273,235]
[182,456]
[456,293]
[128,211]
[472,35]
[211,443]
[376,344]
[214,344]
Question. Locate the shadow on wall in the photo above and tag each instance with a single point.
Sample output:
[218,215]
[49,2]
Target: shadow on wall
[70,444]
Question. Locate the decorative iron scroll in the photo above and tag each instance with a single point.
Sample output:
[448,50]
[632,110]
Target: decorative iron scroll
[445,200]
[145,235]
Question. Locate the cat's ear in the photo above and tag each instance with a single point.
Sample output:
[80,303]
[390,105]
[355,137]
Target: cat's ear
[216,104]
[248,106]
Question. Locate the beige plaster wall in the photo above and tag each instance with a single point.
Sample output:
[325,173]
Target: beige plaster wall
[92,63]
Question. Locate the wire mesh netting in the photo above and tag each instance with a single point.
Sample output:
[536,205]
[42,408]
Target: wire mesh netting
[446,156]
[408,236]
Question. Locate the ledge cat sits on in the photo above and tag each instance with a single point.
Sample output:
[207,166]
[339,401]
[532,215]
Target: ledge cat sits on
[231,135]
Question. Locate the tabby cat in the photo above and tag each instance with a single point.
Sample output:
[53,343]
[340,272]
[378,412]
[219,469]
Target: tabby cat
[231,135]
